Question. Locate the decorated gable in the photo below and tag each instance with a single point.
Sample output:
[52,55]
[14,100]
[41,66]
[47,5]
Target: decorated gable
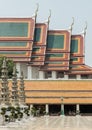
[58,41]
[77,49]
[77,45]
[40,35]
[16,28]
[16,38]
[57,50]
[39,46]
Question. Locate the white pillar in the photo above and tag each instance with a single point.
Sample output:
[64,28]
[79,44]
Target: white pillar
[54,75]
[31,106]
[47,108]
[65,76]
[29,72]
[62,109]
[77,109]
[78,76]
[18,67]
[41,75]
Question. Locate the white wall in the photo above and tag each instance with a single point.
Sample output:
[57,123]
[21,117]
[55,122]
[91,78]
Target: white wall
[35,72]
[24,69]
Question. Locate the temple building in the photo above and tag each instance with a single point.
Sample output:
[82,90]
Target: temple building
[53,64]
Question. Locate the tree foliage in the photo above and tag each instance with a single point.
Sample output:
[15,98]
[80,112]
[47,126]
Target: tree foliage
[9,64]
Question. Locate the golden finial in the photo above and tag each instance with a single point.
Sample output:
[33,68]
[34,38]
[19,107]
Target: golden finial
[36,10]
[49,16]
[71,27]
[85,28]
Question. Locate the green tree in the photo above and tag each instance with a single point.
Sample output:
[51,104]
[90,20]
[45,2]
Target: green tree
[10,65]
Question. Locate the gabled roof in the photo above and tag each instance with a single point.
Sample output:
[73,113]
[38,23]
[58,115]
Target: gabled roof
[39,45]
[58,41]
[77,46]
[40,34]
[17,29]
[23,40]
[77,64]
[80,69]
[16,38]
[76,60]
[57,50]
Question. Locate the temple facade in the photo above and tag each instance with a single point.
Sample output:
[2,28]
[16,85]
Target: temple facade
[53,63]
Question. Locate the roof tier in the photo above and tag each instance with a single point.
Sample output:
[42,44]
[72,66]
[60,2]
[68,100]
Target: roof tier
[57,50]
[23,40]
[16,38]
[39,46]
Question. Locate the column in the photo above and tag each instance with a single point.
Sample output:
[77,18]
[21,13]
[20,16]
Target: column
[77,109]
[41,75]
[78,76]
[62,109]
[65,76]
[54,75]
[47,109]
[29,72]
[31,106]
[18,67]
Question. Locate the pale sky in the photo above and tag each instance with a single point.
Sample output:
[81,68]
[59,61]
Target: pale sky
[61,16]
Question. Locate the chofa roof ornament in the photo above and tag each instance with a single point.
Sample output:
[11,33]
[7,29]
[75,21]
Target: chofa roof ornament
[71,27]
[85,29]
[36,11]
[49,16]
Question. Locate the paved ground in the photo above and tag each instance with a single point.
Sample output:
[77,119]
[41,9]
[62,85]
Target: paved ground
[53,123]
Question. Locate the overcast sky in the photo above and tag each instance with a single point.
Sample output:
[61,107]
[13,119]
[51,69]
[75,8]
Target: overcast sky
[61,18]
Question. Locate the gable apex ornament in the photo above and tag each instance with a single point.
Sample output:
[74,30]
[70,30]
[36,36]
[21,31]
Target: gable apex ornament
[85,29]
[36,11]
[49,16]
[71,26]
